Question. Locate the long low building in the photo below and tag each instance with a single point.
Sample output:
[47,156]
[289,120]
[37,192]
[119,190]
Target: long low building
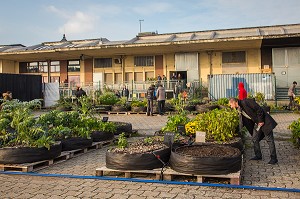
[190,55]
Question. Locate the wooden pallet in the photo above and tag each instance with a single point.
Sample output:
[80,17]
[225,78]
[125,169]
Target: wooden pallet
[29,167]
[136,113]
[168,174]
[65,155]
[117,113]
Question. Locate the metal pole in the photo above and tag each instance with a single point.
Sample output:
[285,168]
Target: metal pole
[49,70]
[141,24]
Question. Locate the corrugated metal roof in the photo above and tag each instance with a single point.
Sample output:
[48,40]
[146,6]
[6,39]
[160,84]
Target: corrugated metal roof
[244,33]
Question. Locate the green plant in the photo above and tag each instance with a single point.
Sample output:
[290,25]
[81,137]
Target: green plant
[65,102]
[108,127]
[148,140]
[260,99]
[122,141]
[174,121]
[108,98]
[219,125]
[295,128]
[223,101]
[195,102]
[297,100]
[138,103]
[85,105]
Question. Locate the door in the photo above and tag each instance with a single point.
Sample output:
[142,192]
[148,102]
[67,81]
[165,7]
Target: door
[188,63]
[286,65]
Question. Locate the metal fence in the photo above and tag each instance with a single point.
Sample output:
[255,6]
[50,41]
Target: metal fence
[226,85]
[137,89]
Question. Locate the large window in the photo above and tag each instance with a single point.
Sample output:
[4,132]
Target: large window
[103,63]
[234,57]
[144,61]
[42,67]
[74,66]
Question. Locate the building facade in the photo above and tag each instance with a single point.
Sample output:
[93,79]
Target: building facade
[190,56]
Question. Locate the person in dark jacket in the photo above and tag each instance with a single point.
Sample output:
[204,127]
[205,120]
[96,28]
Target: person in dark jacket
[80,92]
[150,97]
[242,91]
[291,94]
[125,92]
[259,124]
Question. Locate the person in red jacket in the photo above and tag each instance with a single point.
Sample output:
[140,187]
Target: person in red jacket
[242,91]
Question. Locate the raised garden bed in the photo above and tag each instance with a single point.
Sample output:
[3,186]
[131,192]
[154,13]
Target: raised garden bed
[206,159]
[139,155]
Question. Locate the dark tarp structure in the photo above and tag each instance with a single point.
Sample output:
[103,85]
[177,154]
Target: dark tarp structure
[23,87]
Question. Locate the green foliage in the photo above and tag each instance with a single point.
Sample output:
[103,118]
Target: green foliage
[123,102]
[174,121]
[148,140]
[297,100]
[108,98]
[85,105]
[18,127]
[108,127]
[65,102]
[260,98]
[295,128]
[138,103]
[219,125]
[122,141]
[223,101]
[195,102]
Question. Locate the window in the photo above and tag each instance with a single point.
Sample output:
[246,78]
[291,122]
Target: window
[103,63]
[32,67]
[55,67]
[144,61]
[74,66]
[234,57]
[43,67]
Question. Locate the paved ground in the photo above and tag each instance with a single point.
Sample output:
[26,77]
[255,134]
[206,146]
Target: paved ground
[256,173]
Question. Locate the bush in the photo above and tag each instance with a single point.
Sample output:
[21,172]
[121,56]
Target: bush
[223,101]
[108,98]
[137,103]
[174,121]
[295,128]
[219,125]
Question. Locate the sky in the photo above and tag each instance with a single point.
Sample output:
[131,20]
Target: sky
[31,22]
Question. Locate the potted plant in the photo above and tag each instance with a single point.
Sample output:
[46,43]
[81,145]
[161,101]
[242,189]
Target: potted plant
[106,100]
[174,121]
[22,139]
[220,127]
[138,106]
[122,127]
[121,105]
[145,153]
[102,131]
[76,130]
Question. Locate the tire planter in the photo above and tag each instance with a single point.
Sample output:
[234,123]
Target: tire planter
[118,109]
[19,155]
[205,165]
[201,108]
[70,144]
[237,143]
[190,108]
[138,109]
[103,108]
[143,161]
[98,136]
[63,108]
[123,127]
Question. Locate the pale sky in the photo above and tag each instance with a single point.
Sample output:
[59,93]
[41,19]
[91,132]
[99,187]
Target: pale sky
[31,22]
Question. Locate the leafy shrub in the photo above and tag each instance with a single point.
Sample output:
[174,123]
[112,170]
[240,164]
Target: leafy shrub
[174,121]
[223,101]
[219,125]
[295,128]
[108,98]
[138,103]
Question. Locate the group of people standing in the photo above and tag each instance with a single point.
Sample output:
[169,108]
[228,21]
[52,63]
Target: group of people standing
[159,95]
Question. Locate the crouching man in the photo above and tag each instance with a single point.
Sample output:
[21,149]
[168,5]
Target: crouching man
[259,124]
